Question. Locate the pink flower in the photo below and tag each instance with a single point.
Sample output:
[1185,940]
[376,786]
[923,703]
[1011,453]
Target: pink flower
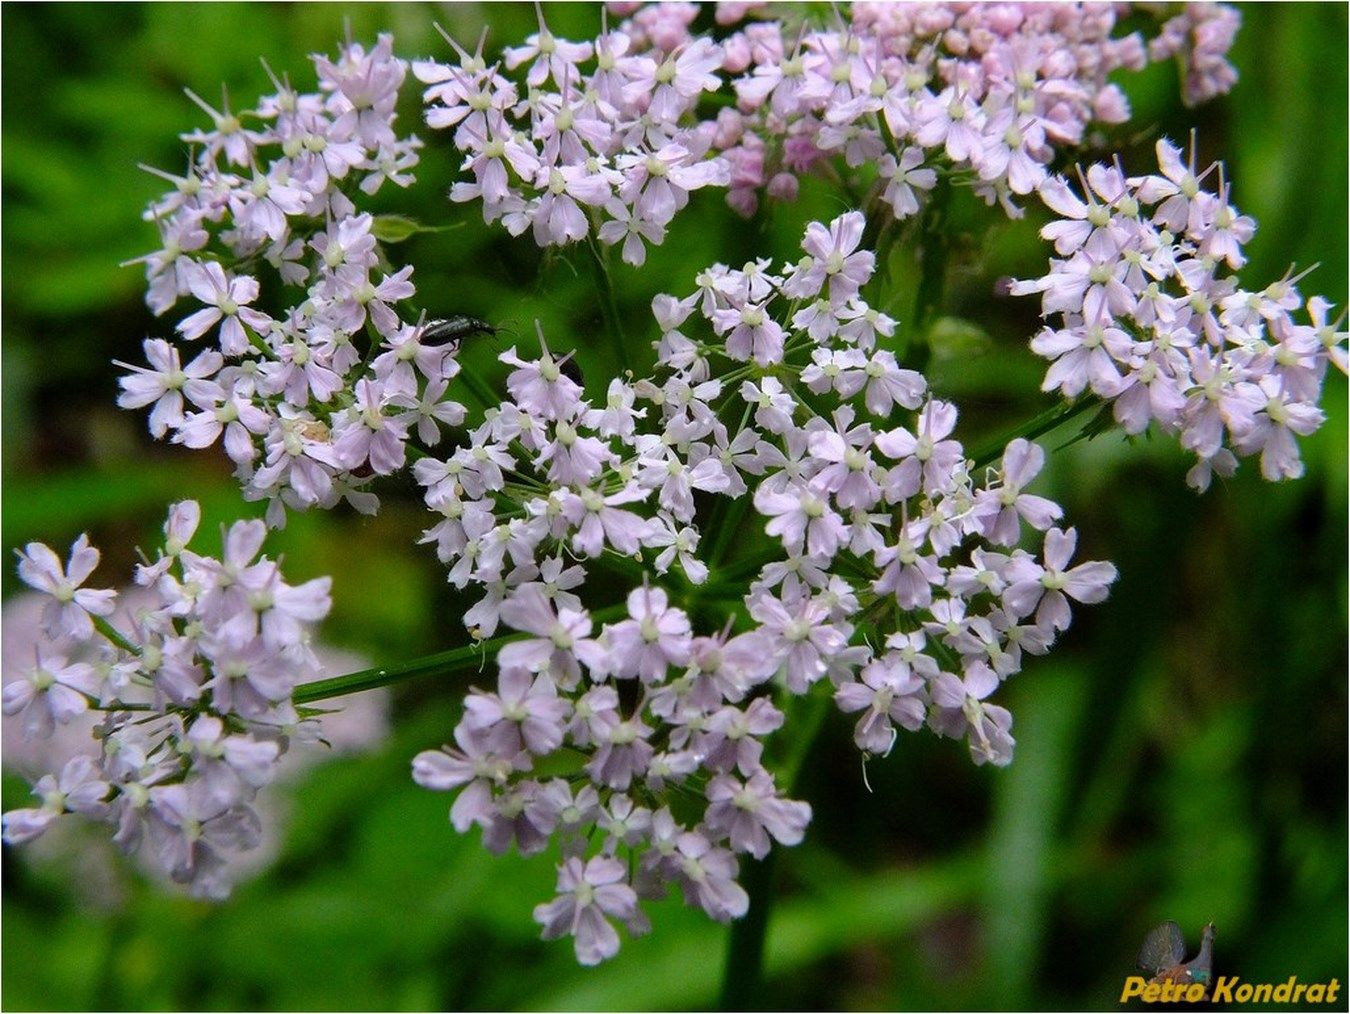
[751,812]
[676,82]
[52,692]
[1031,585]
[952,120]
[599,520]
[837,261]
[656,637]
[903,178]
[890,694]
[1275,419]
[561,641]
[1084,356]
[926,453]
[1022,462]
[657,185]
[525,714]
[803,639]
[960,710]
[367,434]
[69,611]
[78,789]
[802,516]
[589,894]
[227,300]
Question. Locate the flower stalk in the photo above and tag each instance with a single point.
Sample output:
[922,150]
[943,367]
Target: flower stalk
[608,307]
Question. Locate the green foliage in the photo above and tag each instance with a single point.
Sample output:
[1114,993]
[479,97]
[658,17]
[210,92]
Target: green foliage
[1183,756]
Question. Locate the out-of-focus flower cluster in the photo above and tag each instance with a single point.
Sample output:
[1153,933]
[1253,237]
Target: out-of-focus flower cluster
[194,684]
[897,577]
[314,401]
[83,849]
[606,138]
[1151,316]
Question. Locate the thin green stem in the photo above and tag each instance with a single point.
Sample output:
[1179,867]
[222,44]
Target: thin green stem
[887,137]
[933,249]
[114,635]
[743,976]
[807,714]
[742,569]
[990,451]
[609,309]
[444,662]
[727,527]
[441,663]
[257,341]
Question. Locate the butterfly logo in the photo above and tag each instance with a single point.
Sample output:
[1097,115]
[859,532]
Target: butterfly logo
[1163,956]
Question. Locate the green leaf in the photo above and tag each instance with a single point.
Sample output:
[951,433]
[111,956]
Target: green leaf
[394,228]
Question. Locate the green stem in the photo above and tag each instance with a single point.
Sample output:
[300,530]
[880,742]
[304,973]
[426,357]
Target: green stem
[932,274]
[806,714]
[743,976]
[990,451]
[749,566]
[443,662]
[609,309]
[887,137]
[727,527]
[114,635]
[257,341]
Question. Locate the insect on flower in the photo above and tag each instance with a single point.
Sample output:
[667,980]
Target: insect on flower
[456,329]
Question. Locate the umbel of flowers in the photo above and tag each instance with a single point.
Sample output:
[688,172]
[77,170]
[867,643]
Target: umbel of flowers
[897,579]
[607,137]
[312,403]
[906,577]
[1152,318]
[193,672]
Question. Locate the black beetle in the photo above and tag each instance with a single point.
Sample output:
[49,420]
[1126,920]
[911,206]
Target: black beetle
[453,330]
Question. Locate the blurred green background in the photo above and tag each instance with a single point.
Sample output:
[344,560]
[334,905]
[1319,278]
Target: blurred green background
[1181,755]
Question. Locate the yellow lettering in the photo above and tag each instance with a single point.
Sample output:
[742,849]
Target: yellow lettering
[1298,993]
[1283,990]
[1195,992]
[1134,986]
[1261,994]
[1243,992]
[1334,985]
[1223,988]
[1151,992]
[1317,992]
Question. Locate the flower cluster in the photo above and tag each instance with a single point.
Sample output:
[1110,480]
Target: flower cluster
[194,683]
[606,138]
[1199,36]
[886,567]
[1151,316]
[603,140]
[771,392]
[311,402]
